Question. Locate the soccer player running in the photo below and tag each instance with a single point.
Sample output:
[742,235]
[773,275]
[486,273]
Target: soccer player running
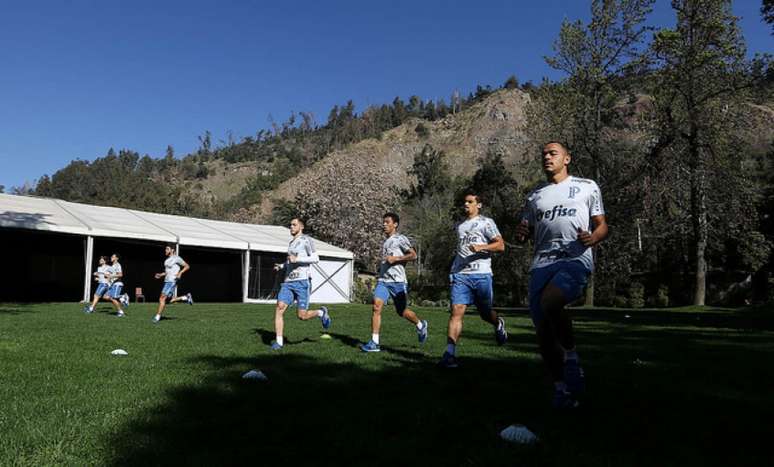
[103,284]
[174,268]
[297,285]
[115,275]
[567,218]
[392,283]
[471,276]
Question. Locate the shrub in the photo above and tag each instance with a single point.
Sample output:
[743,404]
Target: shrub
[636,295]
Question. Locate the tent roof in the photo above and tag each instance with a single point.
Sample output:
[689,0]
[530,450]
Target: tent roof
[32,213]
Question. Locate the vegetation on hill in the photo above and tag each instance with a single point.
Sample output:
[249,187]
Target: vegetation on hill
[676,125]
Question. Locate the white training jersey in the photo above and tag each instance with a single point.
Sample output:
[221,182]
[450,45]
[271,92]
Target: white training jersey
[172,266]
[477,231]
[114,270]
[302,247]
[395,245]
[102,273]
[556,211]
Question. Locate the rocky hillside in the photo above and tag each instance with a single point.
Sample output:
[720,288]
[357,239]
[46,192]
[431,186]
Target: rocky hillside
[366,171]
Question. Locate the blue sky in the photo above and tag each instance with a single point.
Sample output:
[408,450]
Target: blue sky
[77,78]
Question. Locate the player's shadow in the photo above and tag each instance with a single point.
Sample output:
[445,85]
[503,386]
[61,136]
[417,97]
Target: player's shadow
[649,391]
[350,341]
[317,412]
[267,337]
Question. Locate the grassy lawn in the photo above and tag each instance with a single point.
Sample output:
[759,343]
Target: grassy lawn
[665,387]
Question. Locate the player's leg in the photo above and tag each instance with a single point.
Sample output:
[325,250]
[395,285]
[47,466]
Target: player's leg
[166,294]
[461,296]
[484,298]
[381,296]
[302,292]
[399,294]
[284,299]
[115,295]
[376,322]
[565,287]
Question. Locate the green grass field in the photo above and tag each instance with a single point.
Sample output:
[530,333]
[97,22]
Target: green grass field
[665,387]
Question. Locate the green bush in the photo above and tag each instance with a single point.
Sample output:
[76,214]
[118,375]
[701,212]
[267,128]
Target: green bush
[363,292]
[636,295]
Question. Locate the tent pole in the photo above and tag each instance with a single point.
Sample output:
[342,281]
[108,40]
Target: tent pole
[88,258]
[245,275]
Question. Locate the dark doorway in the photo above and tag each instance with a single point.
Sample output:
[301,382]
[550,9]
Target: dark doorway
[41,266]
[215,275]
[264,281]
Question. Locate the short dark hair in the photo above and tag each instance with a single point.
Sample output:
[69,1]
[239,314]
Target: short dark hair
[564,146]
[104,258]
[299,219]
[395,218]
[117,255]
[472,193]
[171,246]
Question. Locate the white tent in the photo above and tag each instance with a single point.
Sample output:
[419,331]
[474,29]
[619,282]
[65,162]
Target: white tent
[331,279]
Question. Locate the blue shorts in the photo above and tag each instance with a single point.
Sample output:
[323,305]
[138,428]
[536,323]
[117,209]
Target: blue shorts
[115,291]
[398,291]
[169,289]
[102,288]
[297,291]
[476,289]
[569,276]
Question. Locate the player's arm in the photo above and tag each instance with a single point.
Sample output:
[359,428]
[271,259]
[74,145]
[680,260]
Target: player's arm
[409,255]
[496,245]
[185,269]
[598,233]
[311,256]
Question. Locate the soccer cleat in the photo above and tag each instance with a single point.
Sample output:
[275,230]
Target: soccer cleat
[501,335]
[275,346]
[574,377]
[189,298]
[325,318]
[156,319]
[125,300]
[120,314]
[563,400]
[448,361]
[87,309]
[371,346]
[422,332]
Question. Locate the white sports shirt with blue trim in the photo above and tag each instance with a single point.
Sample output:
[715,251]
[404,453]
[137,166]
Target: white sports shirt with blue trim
[556,211]
[477,231]
[302,247]
[102,272]
[395,245]
[172,266]
[115,269]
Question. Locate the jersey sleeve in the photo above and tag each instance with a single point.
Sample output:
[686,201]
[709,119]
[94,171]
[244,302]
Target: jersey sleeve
[180,261]
[311,254]
[405,244]
[490,230]
[596,207]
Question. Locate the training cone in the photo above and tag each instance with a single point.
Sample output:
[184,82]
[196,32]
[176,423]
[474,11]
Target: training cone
[256,375]
[518,434]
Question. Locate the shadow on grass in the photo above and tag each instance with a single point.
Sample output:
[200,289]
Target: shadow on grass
[267,337]
[757,319]
[653,400]
[11,309]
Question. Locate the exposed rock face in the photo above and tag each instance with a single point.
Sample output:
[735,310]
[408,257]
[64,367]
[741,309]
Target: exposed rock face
[372,170]
[346,193]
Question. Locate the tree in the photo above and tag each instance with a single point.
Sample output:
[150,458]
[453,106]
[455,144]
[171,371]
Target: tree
[702,76]
[511,82]
[599,60]
[767,11]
